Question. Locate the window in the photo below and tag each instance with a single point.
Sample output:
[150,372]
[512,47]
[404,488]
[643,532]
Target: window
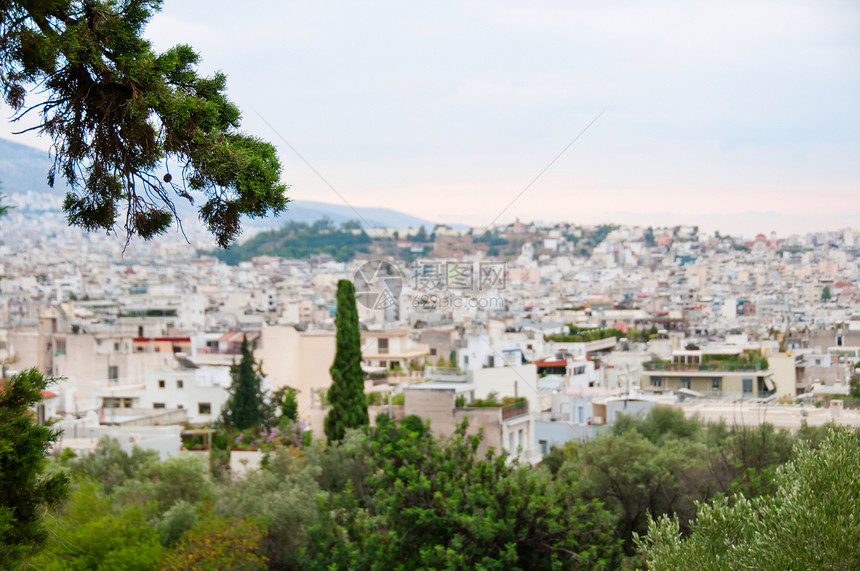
[204,408]
[432,350]
[179,383]
[158,405]
[161,383]
[685,382]
[544,448]
[656,381]
[580,414]
[747,383]
[716,384]
[383,363]
[180,406]
[60,347]
[116,347]
[382,343]
[113,373]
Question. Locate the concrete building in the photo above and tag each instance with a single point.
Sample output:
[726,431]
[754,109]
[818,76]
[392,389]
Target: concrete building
[716,372]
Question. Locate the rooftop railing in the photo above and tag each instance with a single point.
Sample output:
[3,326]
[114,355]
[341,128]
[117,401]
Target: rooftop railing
[513,410]
[445,374]
[713,366]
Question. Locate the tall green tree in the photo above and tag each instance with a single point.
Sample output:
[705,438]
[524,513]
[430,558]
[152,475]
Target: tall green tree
[246,406]
[25,489]
[346,395]
[825,294]
[120,114]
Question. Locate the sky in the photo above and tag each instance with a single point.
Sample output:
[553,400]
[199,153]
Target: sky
[741,115]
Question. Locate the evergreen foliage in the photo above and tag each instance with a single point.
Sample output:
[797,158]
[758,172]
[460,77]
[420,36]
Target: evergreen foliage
[119,113]
[287,405]
[25,489]
[246,406]
[346,395]
[437,504]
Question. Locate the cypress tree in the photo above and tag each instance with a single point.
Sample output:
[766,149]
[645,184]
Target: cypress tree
[346,395]
[246,406]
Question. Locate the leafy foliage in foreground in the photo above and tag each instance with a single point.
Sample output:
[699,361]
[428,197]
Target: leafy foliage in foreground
[664,463]
[395,496]
[437,504]
[812,521]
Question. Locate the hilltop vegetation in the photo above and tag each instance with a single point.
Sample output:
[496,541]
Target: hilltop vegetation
[298,240]
[302,240]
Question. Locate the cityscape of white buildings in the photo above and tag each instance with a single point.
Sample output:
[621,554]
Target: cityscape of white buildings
[141,336]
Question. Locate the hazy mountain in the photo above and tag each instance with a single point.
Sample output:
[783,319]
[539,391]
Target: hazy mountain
[24,170]
[310,211]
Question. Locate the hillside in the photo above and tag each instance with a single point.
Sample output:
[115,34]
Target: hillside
[24,168]
[298,240]
[310,211]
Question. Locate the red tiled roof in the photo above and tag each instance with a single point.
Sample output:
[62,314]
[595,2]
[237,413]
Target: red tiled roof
[553,363]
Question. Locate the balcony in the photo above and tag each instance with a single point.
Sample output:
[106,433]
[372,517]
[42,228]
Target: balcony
[514,410]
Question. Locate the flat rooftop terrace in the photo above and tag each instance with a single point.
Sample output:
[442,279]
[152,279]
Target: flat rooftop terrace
[789,417]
